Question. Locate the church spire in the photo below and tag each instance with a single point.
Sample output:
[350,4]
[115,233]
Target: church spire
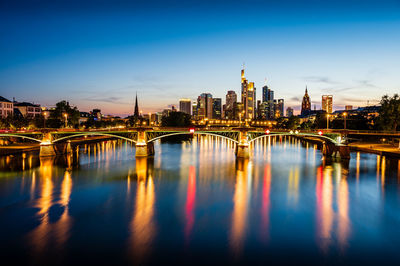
[136,113]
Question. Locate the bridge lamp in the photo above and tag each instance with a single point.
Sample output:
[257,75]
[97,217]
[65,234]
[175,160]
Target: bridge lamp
[191,130]
[296,132]
[291,132]
[320,133]
[267,131]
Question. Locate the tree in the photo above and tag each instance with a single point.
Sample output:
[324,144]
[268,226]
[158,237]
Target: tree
[57,116]
[293,122]
[389,114]
[176,119]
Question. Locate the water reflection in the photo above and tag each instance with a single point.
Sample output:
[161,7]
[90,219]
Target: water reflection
[142,225]
[40,235]
[265,206]
[234,207]
[327,214]
[240,201]
[190,202]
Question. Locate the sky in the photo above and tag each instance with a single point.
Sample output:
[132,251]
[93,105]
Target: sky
[99,53]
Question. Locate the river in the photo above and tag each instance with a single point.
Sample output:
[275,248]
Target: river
[195,203]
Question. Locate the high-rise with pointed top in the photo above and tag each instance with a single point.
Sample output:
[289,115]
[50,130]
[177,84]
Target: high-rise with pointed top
[306,104]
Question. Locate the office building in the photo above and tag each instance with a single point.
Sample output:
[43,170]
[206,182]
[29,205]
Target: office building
[216,111]
[327,103]
[185,106]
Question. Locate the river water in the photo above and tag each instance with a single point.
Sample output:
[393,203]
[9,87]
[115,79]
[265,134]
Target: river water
[195,203]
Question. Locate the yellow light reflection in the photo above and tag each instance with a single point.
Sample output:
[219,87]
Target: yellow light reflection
[63,225]
[239,215]
[324,207]
[142,225]
[293,186]
[40,235]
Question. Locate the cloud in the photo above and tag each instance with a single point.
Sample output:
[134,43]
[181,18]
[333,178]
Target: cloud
[296,99]
[320,79]
[117,100]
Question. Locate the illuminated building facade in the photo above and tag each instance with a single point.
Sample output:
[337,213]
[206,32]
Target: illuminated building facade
[327,103]
[216,108]
[185,106]
[248,97]
[306,104]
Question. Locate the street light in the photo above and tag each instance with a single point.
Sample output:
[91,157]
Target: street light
[327,121]
[344,115]
[66,119]
[44,119]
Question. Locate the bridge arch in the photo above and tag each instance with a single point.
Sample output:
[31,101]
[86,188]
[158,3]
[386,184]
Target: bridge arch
[322,137]
[20,136]
[195,133]
[93,134]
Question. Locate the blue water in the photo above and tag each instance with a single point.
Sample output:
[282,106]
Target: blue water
[195,203]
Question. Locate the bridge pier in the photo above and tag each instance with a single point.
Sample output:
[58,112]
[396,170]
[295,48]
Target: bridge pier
[46,146]
[144,149]
[337,151]
[47,150]
[242,151]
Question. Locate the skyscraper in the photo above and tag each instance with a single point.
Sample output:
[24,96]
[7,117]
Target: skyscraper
[289,111]
[216,111]
[204,106]
[268,100]
[279,107]
[327,103]
[306,104]
[185,105]
[248,97]
[267,94]
[231,99]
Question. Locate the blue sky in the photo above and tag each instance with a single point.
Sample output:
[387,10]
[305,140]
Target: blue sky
[98,54]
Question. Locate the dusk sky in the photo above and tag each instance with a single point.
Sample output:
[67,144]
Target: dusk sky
[98,54]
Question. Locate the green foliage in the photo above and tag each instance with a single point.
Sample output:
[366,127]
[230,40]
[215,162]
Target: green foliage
[176,119]
[355,121]
[293,122]
[307,125]
[57,118]
[91,123]
[320,120]
[389,114]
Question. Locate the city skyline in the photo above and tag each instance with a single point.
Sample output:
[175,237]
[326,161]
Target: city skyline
[101,59]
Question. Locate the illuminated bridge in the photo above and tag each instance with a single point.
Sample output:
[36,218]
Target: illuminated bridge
[144,137]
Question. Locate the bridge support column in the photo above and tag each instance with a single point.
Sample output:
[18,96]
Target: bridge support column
[337,151]
[47,150]
[46,146]
[68,149]
[144,149]
[242,151]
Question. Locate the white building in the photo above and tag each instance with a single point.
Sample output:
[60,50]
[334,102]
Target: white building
[28,110]
[6,107]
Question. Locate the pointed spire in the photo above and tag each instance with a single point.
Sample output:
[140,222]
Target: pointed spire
[306,90]
[136,112]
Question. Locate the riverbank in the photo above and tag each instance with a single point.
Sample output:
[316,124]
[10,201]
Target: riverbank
[19,148]
[376,148]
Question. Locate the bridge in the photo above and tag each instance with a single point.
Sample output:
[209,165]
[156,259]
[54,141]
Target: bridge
[144,137]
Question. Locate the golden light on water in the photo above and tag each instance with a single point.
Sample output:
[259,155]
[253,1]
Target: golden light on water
[142,225]
[239,215]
